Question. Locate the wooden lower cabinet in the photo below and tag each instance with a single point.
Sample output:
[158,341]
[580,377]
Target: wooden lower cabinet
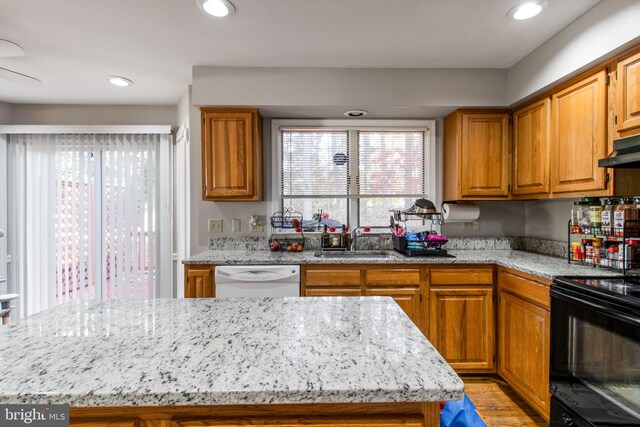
[408,414]
[199,281]
[409,300]
[301,423]
[523,337]
[461,326]
[131,423]
[333,292]
[405,284]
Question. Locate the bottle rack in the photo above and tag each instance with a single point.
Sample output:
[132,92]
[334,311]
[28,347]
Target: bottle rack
[287,221]
[420,244]
[628,254]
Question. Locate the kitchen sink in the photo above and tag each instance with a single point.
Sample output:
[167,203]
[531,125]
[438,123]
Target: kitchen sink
[358,254]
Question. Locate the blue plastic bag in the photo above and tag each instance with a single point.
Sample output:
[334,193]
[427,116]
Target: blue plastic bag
[460,413]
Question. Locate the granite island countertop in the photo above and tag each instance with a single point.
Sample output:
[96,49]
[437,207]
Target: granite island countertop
[527,262]
[222,351]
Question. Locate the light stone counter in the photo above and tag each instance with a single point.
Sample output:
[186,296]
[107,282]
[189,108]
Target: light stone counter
[539,265]
[222,351]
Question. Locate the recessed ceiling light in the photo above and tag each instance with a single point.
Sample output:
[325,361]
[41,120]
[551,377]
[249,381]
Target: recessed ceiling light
[527,10]
[120,81]
[217,8]
[356,113]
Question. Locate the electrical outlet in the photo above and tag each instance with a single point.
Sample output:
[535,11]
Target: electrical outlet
[471,225]
[215,225]
[235,225]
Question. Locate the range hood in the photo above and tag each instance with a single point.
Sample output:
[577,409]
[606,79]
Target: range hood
[626,154]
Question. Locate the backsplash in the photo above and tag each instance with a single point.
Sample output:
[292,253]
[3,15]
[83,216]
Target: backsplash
[377,242]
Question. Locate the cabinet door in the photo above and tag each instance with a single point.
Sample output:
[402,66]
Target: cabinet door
[628,94]
[332,292]
[484,155]
[373,421]
[461,326]
[409,300]
[199,281]
[579,136]
[531,133]
[231,155]
[133,423]
[523,355]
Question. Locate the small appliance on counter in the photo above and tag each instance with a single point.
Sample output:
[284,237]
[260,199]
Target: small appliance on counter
[422,239]
[595,349]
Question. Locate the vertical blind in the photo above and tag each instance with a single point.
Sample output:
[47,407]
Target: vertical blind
[90,224]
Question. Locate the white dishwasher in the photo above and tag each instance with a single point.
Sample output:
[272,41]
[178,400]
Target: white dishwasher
[257,281]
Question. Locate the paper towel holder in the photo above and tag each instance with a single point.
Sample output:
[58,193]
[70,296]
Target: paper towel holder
[463,203]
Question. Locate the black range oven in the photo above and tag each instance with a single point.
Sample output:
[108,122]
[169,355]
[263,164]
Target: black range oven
[595,351]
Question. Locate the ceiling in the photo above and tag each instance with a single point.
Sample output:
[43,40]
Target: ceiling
[73,45]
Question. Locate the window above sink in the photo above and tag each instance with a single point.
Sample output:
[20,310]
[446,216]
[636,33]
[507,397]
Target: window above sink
[353,170]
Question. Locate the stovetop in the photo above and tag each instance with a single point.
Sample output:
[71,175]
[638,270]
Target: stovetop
[616,288]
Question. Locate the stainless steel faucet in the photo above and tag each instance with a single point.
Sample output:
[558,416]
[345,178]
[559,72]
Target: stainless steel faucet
[355,233]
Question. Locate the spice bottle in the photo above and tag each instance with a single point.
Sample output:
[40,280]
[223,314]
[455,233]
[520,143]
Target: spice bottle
[607,217]
[587,250]
[325,238]
[576,217]
[597,250]
[595,216]
[625,212]
[346,237]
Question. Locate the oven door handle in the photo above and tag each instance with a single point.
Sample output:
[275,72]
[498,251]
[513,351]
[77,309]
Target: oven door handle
[607,311]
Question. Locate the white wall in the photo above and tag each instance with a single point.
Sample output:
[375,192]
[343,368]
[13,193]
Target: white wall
[322,93]
[348,87]
[607,29]
[62,114]
[547,219]
[5,113]
[3,213]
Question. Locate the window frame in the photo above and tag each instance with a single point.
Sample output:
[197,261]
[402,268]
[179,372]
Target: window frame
[350,125]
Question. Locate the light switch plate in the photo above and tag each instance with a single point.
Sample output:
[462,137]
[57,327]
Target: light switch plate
[256,223]
[235,225]
[215,225]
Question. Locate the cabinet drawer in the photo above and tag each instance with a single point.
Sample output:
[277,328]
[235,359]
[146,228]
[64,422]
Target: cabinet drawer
[332,292]
[461,276]
[332,278]
[395,277]
[526,289]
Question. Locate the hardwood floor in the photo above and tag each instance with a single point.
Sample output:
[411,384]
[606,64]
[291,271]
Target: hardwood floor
[499,405]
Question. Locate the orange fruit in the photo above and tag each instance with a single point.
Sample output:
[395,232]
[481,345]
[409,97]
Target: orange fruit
[289,248]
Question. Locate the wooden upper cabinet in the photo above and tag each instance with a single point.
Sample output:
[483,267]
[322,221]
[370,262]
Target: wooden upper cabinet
[628,96]
[531,135]
[579,135]
[476,155]
[231,154]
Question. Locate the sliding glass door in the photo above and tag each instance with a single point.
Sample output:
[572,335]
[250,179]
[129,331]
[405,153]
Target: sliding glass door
[87,216]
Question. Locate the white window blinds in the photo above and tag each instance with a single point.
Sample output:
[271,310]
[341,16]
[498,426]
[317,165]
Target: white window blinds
[314,163]
[392,163]
[377,169]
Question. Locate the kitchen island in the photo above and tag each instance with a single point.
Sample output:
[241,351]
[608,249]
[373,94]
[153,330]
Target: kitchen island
[288,361]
